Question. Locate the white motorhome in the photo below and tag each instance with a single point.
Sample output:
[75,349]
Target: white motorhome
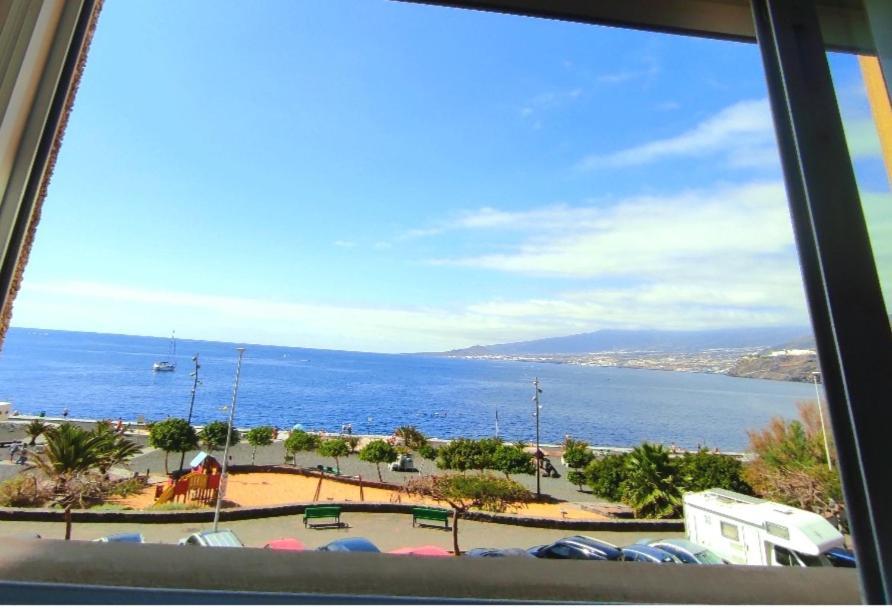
[749,531]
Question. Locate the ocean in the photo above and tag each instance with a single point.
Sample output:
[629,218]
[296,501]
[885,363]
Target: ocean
[110,376]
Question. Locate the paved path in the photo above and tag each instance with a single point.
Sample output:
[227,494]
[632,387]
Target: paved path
[352,465]
[387,531]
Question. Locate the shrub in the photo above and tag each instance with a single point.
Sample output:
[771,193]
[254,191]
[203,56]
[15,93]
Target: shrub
[127,487]
[791,465]
[605,476]
[352,442]
[24,491]
[428,452]
[703,470]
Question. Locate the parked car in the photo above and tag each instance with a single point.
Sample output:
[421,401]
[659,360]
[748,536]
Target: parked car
[285,544]
[577,547]
[487,552]
[350,545]
[841,558]
[225,538]
[424,551]
[404,463]
[648,554]
[686,551]
[134,537]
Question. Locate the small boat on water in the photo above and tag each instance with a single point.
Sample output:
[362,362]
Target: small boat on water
[168,366]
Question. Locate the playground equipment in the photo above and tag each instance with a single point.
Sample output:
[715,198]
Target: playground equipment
[202,484]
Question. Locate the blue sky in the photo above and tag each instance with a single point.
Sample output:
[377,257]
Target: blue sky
[381,176]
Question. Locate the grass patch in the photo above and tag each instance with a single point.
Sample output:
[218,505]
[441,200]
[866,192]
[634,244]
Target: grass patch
[177,506]
[109,506]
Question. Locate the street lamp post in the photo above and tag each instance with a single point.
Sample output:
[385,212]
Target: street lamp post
[814,377]
[191,401]
[222,488]
[538,451]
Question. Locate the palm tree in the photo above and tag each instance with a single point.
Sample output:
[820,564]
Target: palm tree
[115,448]
[35,429]
[70,454]
[650,486]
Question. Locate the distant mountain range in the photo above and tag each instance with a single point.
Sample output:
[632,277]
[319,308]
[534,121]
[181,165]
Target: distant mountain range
[780,337]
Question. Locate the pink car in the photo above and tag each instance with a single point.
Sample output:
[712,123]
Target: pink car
[285,544]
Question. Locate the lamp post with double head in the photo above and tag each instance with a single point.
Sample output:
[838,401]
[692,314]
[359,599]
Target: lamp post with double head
[194,375]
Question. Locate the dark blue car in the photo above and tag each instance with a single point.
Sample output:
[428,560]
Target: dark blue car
[648,554]
[841,558]
[350,545]
[577,547]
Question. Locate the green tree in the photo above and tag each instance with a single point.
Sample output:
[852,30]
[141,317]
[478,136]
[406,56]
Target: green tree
[334,448]
[605,476]
[576,477]
[172,435]
[790,464]
[464,492]
[260,436]
[704,470]
[299,441]
[467,454]
[576,454]
[69,456]
[512,459]
[213,436]
[651,485]
[410,437]
[34,429]
[376,452]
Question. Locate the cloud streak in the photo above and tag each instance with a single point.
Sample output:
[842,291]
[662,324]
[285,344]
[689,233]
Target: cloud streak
[742,133]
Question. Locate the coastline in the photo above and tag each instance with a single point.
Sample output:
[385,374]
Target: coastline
[139,429]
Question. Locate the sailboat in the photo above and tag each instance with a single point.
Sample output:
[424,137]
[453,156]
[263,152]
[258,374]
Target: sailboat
[168,366]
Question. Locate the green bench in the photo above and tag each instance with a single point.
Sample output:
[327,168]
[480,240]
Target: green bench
[322,512]
[328,469]
[440,515]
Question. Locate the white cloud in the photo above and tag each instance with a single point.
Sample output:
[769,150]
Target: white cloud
[382,245]
[341,243]
[101,307]
[641,235]
[743,133]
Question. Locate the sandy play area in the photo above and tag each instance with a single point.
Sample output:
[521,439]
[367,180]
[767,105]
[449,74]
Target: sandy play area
[267,489]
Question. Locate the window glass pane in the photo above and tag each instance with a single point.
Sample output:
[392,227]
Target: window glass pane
[730,531]
[867,119]
[408,214]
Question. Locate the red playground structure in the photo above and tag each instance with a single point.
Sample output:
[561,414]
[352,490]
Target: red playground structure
[200,485]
